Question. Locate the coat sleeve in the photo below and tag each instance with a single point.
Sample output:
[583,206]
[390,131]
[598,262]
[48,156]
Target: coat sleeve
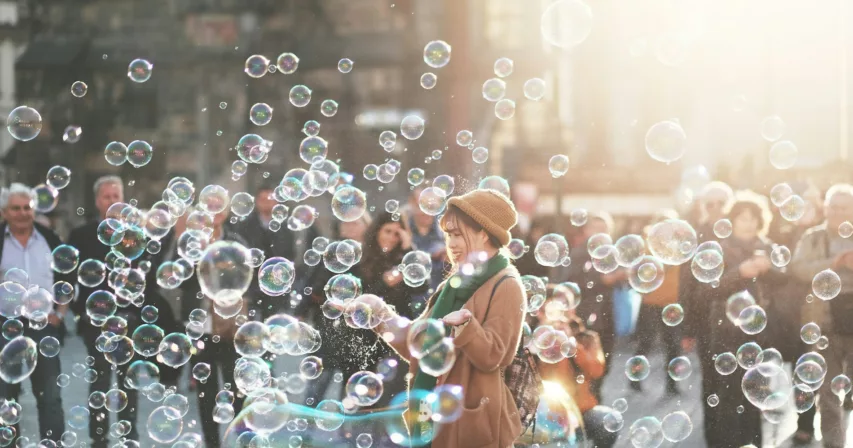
[487,343]
[808,258]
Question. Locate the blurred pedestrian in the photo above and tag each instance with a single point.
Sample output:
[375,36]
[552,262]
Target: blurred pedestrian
[748,269]
[482,307]
[596,305]
[283,242]
[215,347]
[821,248]
[427,237]
[650,323]
[28,246]
[588,362]
[527,264]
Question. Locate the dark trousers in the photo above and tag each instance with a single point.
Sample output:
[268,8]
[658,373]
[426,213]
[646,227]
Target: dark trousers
[221,356]
[43,380]
[649,326]
[593,423]
[99,419]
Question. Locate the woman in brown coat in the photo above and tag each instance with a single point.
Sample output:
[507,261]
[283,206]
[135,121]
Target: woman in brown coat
[477,227]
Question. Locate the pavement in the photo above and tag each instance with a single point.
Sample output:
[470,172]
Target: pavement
[652,401]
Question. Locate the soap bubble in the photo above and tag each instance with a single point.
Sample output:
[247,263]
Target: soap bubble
[780,256]
[505,109]
[752,319]
[46,198]
[494,89]
[276,276]
[364,388]
[793,208]
[437,53]
[139,70]
[139,153]
[24,123]
[826,285]
[637,368]
[679,369]
[566,23]
[558,165]
[772,128]
[58,177]
[432,201]
[349,203]
[300,96]
[646,275]
[286,63]
[224,272]
[412,127]
[64,259]
[725,363]
[18,359]
[673,241]
[164,424]
[783,155]
[534,89]
[256,66]
[429,80]
[646,432]
[677,426]
[329,108]
[779,193]
[313,149]
[330,415]
[672,314]
[79,89]
[249,339]
[748,355]
[345,65]
[260,114]
[464,138]
[666,141]
[49,346]
[115,153]
[723,228]
[810,333]
[766,386]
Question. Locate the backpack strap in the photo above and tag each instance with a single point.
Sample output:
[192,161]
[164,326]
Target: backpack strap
[489,306]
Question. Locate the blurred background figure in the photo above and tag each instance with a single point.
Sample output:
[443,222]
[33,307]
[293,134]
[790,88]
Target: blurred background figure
[650,324]
[427,237]
[587,363]
[527,264]
[217,353]
[26,249]
[596,306]
[749,277]
[109,190]
[255,231]
[820,248]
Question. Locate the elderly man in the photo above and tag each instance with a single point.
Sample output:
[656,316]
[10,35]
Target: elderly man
[28,246]
[109,190]
[822,248]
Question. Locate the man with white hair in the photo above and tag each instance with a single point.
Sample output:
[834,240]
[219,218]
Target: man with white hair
[109,190]
[825,247]
[27,248]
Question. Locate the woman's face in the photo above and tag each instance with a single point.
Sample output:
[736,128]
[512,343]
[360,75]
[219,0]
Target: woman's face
[353,230]
[458,246]
[745,225]
[389,236]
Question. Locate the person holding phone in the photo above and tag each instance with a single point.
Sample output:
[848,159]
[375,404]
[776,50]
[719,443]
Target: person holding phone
[748,267]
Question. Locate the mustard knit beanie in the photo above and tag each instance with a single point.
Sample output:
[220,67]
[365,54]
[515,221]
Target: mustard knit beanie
[490,209]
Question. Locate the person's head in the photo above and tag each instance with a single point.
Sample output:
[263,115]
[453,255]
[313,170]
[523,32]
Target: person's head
[838,205]
[17,204]
[598,222]
[109,190]
[713,199]
[264,199]
[383,234]
[353,230]
[420,218]
[478,221]
[749,214]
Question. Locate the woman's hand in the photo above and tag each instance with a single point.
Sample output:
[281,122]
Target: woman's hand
[392,278]
[457,318]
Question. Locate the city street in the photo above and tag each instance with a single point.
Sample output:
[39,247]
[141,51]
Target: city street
[653,401]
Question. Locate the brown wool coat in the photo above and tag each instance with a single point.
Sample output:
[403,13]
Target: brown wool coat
[490,418]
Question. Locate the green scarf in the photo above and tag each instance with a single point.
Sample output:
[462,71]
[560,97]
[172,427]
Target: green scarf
[452,299]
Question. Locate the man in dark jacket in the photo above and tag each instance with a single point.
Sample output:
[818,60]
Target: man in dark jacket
[28,246]
[108,191]
[255,229]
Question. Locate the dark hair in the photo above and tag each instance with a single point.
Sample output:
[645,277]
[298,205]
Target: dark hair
[739,207]
[455,214]
[373,260]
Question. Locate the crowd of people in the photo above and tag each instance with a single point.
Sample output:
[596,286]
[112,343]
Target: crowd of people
[481,221]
